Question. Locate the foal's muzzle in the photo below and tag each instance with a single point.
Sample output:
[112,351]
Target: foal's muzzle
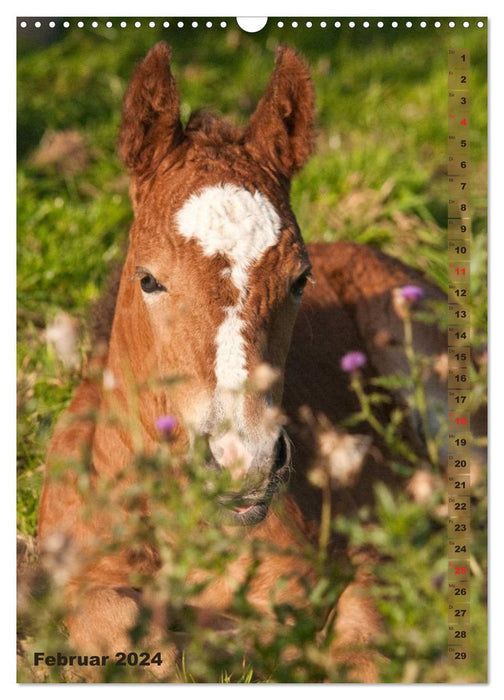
[251,504]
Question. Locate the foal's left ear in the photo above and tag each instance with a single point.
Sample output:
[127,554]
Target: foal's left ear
[282,126]
[151,125]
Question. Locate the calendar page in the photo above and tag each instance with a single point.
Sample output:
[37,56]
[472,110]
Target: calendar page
[252,359]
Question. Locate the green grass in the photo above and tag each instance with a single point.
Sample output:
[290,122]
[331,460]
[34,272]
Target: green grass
[377,177]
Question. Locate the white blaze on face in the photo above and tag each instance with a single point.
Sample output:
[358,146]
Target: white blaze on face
[231,221]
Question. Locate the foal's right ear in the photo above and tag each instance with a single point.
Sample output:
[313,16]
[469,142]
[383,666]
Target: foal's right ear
[151,125]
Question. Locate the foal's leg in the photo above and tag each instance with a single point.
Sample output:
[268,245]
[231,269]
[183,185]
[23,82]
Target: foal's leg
[357,623]
[102,606]
[356,620]
[101,622]
[105,615]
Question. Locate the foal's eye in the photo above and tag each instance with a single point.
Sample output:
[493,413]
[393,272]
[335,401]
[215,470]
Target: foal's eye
[150,284]
[298,287]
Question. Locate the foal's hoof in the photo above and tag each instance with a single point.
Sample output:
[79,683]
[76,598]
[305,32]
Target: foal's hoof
[359,665]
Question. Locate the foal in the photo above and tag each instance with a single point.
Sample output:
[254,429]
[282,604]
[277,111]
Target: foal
[210,291]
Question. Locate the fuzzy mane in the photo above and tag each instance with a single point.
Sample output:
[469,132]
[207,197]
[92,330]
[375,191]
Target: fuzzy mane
[205,128]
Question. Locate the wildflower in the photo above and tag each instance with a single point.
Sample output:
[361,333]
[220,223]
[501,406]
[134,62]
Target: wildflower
[412,293]
[264,377]
[109,381]
[344,454]
[422,485]
[440,366]
[60,557]
[166,424]
[353,361]
[437,581]
[404,297]
[63,335]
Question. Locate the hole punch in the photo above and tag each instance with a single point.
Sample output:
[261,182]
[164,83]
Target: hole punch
[252,24]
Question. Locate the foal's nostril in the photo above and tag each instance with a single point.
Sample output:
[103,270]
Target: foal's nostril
[282,452]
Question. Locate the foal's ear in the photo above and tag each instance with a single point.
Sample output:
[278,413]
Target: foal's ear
[282,126]
[151,124]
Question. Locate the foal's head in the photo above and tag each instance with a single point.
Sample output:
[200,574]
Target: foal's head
[217,266]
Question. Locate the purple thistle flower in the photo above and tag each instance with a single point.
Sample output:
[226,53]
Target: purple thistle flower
[352,361]
[166,424]
[412,293]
